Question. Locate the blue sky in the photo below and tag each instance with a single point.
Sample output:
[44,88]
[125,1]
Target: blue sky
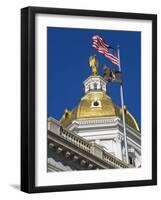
[68,54]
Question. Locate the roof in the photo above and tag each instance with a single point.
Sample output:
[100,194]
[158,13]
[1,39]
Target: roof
[96,104]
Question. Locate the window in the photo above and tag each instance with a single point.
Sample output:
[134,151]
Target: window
[95,86]
[96,103]
[130,160]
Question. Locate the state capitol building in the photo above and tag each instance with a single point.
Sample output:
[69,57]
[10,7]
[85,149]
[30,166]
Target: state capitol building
[91,136]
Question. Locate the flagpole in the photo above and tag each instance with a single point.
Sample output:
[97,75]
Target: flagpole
[123,111]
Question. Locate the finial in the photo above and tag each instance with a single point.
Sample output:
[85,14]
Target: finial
[66,113]
[124,108]
[93,63]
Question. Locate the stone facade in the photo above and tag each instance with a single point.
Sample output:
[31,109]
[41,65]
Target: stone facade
[68,151]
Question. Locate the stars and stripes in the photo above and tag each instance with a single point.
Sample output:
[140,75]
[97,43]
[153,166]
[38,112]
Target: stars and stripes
[102,47]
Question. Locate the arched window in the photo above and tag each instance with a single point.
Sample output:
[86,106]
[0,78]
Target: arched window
[131,161]
[95,86]
[96,103]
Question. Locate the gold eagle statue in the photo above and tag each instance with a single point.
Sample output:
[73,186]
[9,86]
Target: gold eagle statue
[93,63]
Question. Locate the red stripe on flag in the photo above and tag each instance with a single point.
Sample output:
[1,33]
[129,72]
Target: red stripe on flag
[102,47]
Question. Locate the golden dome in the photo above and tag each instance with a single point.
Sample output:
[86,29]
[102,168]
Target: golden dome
[96,104]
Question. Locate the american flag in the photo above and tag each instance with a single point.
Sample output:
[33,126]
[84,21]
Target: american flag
[102,47]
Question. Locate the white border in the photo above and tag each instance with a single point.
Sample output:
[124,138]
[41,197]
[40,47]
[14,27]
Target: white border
[77,177]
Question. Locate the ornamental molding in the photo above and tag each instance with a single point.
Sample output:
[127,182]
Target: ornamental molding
[94,78]
[117,138]
[106,121]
